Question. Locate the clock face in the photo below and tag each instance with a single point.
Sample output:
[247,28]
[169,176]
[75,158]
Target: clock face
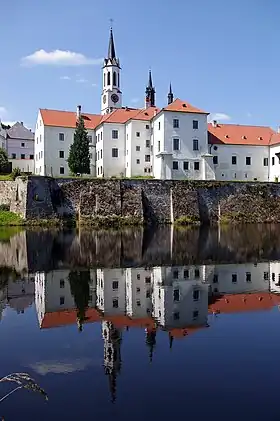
[104,99]
[114,98]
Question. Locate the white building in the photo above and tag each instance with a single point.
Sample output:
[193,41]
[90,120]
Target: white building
[20,147]
[174,142]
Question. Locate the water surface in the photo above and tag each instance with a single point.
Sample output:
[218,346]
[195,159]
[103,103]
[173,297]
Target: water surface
[132,324]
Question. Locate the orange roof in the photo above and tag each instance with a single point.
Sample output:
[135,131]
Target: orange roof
[68,317]
[182,106]
[68,119]
[275,139]
[235,303]
[235,134]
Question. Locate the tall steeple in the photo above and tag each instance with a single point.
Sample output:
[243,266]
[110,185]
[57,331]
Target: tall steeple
[170,95]
[111,97]
[150,93]
[111,49]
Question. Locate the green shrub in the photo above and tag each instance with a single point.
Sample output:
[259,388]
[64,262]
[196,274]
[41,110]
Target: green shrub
[4,207]
[15,173]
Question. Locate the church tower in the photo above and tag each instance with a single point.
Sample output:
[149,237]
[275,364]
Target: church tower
[111,94]
[112,355]
[150,93]
[170,96]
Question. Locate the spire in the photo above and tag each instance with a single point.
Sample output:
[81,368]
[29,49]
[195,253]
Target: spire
[150,92]
[170,95]
[111,49]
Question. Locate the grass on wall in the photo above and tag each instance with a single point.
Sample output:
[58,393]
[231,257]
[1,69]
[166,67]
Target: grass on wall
[8,218]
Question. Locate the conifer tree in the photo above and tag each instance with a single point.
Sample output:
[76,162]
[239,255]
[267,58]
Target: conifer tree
[79,160]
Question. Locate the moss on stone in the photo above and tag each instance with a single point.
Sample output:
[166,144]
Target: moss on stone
[187,220]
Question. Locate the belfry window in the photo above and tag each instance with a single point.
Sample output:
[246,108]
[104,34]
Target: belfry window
[108,78]
[115,79]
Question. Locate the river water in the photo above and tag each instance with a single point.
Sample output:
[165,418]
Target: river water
[133,324]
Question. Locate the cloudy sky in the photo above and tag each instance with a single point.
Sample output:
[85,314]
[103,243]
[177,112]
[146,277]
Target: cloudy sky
[221,56]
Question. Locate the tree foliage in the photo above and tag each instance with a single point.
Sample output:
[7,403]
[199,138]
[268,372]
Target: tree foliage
[79,285]
[79,159]
[4,161]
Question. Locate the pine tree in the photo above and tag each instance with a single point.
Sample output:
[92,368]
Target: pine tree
[79,160]
[4,161]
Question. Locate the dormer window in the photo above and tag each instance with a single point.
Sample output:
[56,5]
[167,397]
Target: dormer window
[244,137]
[227,136]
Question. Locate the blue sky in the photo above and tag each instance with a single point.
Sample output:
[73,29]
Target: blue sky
[221,56]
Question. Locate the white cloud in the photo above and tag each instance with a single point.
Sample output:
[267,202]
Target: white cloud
[3,111]
[58,58]
[65,78]
[81,80]
[134,100]
[57,367]
[219,117]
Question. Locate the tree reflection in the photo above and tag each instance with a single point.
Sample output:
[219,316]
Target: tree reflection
[79,284]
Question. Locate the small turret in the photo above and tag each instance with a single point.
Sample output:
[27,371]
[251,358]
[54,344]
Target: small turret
[170,95]
[150,93]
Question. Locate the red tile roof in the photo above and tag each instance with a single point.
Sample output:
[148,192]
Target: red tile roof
[58,118]
[235,303]
[182,106]
[68,317]
[235,134]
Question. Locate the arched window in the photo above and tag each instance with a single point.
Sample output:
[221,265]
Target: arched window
[108,78]
[114,79]
[118,80]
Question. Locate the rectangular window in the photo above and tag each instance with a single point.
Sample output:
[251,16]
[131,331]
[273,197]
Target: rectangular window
[90,139]
[196,165]
[176,144]
[196,294]
[215,278]
[115,153]
[23,145]
[195,144]
[115,134]
[175,274]
[176,316]
[175,123]
[195,314]
[148,280]
[137,134]
[61,136]
[195,124]
[158,146]
[147,158]
[62,283]
[115,303]
[147,143]
[176,295]
[137,148]
[265,276]
[61,300]
[61,170]
[234,278]
[137,161]
[14,156]
[31,156]
[215,160]
[147,126]
[248,277]
[248,160]
[186,165]
[273,160]
[159,125]
[138,303]
[196,273]
[186,274]
[22,156]
[234,160]
[61,154]
[40,138]
[100,135]
[97,155]
[101,154]
[175,165]
[115,285]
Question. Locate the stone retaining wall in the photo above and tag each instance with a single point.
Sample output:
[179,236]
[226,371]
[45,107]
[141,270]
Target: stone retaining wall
[107,202]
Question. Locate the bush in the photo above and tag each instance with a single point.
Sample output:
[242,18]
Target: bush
[15,173]
[4,207]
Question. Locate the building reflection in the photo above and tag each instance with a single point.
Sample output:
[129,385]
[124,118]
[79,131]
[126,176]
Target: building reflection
[176,300]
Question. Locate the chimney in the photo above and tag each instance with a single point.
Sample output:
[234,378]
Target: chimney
[79,111]
[21,123]
[214,123]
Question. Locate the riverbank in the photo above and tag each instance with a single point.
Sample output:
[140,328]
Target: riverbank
[44,201]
